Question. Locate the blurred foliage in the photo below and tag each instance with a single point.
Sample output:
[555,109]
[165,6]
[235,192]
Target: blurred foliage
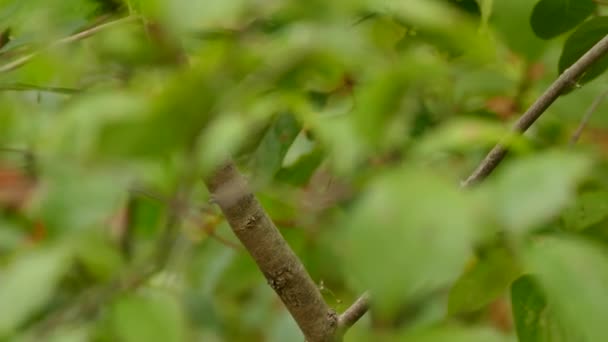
[353,120]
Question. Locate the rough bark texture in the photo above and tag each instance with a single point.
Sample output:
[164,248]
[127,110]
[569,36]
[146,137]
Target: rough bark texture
[279,264]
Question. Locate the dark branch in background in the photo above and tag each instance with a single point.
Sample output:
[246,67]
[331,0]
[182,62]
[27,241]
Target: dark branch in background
[281,267]
[577,134]
[66,40]
[91,301]
[349,317]
[566,80]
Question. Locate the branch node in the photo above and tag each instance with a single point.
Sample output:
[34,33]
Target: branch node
[349,317]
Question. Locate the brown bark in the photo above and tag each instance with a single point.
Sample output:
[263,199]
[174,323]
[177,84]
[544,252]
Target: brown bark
[349,317]
[277,261]
[566,80]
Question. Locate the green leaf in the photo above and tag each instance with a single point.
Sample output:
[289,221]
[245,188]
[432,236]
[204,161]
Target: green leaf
[530,313]
[221,139]
[511,19]
[533,189]
[590,208]
[27,284]
[550,18]
[573,274]
[154,317]
[98,256]
[442,24]
[484,282]
[171,121]
[456,334]
[459,136]
[300,172]
[485,6]
[75,199]
[409,234]
[79,129]
[378,103]
[268,157]
[579,42]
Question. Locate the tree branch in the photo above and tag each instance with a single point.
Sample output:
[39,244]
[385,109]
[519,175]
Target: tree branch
[349,317]
[567,79]
[66,40]
[279,264]
[577,134]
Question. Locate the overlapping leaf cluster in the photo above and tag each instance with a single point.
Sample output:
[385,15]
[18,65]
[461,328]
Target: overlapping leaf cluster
[354,122]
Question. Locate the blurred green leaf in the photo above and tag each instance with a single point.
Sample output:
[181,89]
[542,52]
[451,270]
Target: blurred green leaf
[220,140]
[378,103]
[421,250]
[534,321]
[444,25]
[570,14]
[27,284]
[512,21]
[485,281]
[268,157]
[579,42]
[300,172]
[485,6]
[99,257]
[79,131]
[470,6]
[591,207]
[284,329]
[566,267]
[456,334]
[383,94]
[460,135]
[153,317]
[73,199]
[533,189]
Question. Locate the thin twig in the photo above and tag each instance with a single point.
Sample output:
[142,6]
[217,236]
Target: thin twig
[32,87]
[66,40]
[567,79]
[349,317]
[577,134]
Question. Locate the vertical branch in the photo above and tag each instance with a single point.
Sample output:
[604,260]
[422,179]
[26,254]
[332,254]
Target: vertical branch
[279,264]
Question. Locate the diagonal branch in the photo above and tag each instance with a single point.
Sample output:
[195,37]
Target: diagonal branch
[281,267]
[349,317]
[567,79]
[66,40]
